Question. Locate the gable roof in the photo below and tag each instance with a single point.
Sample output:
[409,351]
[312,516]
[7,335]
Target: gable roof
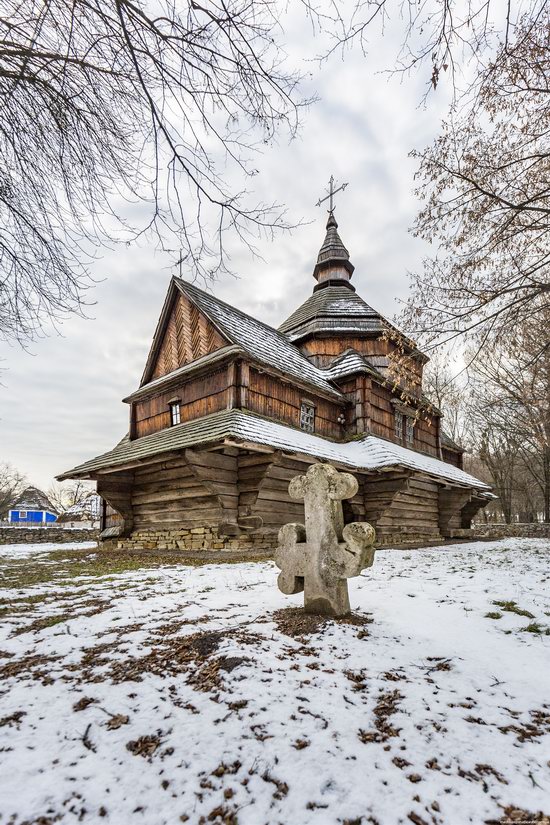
[259,340]
[160,334]
[367,453]
[449,444]
[351,362]
[34,499]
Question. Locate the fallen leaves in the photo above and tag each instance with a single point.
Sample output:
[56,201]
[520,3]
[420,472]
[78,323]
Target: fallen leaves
[386,706]
[83,703]
[145,746]
[533,730]
[12,719]
[116,721]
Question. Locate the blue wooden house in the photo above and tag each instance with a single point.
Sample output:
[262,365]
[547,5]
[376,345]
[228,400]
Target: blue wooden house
[33,508]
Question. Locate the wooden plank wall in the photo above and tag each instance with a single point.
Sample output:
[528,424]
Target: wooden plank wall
[188,336]
[273,398]
[452,457]
[322,351]
[382,421]
[425,438]
[198,397]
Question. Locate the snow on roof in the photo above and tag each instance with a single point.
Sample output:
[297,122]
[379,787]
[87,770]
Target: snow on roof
[261,341]
[34,499]
[335,308]
[89,506]
[367,453]
[349,363]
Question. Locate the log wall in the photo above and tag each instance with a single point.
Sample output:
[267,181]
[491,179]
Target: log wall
[400,504]
[197,495]
[195,490]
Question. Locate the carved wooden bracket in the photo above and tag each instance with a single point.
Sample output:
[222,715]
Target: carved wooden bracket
[116,489]
[451,502]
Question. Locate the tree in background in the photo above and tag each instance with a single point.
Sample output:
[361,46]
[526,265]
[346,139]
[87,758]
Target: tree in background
[67,495]
[11,486]
[442,389]
[513,397]
[110,106]
[484,183]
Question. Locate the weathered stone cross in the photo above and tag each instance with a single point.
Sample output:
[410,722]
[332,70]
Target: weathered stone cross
[321,555]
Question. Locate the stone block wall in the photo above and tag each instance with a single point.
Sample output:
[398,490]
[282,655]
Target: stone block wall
[196,539]
[498,531]
[207,539]
[43,535]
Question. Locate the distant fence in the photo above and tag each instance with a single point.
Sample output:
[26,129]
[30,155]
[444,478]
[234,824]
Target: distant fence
[40,535]
[49,525]
[527,529]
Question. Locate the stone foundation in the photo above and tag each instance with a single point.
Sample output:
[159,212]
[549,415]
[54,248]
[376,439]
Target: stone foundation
[43,535]
[195,539]
[204,539]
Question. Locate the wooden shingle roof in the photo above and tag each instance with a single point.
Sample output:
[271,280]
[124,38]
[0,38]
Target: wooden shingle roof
[262,342]
[334,309]
[236,426]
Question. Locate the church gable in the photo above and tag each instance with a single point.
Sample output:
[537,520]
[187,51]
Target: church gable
[185,336]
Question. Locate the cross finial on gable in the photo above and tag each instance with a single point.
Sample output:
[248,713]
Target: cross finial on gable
[331,193]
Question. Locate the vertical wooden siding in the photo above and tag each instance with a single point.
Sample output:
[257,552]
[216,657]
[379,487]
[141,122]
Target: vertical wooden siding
[198,397]
[267,395]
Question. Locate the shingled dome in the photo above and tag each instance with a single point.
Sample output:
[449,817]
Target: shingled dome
[333,263]
[334,309]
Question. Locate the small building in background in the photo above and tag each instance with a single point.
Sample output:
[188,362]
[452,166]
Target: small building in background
[33,508]
[85,513]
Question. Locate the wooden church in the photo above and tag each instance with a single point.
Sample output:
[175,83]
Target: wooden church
[230,409]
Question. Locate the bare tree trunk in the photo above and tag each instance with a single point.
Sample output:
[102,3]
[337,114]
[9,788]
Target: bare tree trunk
[546,469]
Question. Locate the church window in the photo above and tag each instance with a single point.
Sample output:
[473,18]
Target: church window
[307,417]
[398,425]
[409,429]
[175,413]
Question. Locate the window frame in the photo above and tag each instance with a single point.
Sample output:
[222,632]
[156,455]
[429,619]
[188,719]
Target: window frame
[307,416]
[174,407]
[398,424]
[409,430]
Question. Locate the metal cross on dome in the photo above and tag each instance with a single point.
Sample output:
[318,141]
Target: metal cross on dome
[331,193]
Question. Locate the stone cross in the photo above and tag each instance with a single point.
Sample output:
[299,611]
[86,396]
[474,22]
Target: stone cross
[319,556]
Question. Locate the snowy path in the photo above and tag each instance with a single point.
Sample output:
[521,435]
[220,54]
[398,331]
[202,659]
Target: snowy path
[176,694]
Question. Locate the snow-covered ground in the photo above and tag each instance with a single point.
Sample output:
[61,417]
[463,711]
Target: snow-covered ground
[182,694]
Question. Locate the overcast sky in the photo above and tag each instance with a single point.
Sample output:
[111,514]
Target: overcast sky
[60,402]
